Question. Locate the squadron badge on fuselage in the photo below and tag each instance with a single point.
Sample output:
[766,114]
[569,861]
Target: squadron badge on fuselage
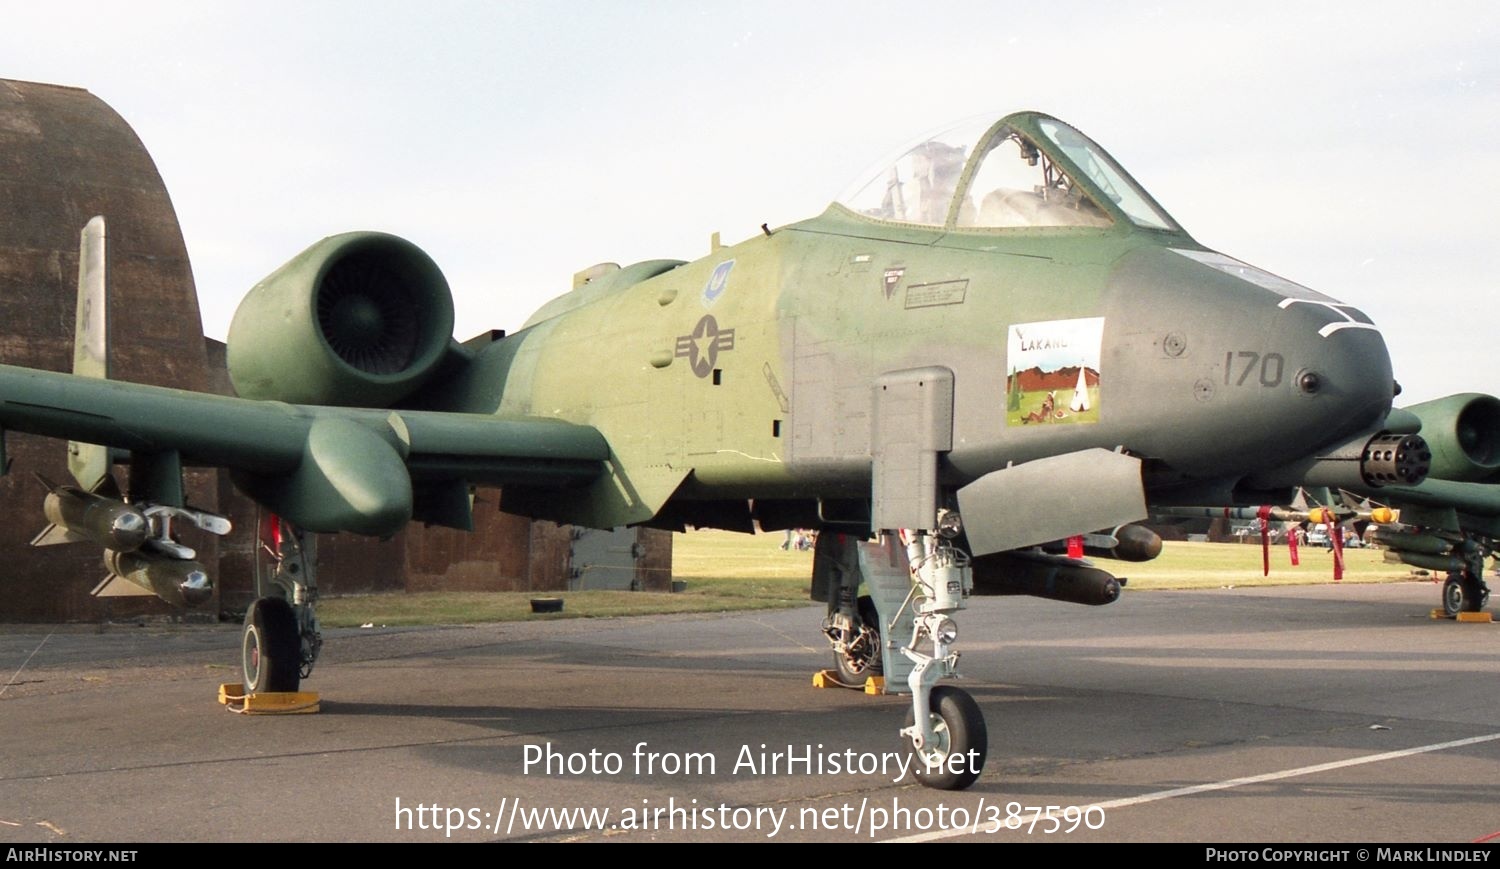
[717,283]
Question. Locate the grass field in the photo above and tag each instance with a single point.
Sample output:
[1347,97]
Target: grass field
[1215,565]
[726,571]
[723,571]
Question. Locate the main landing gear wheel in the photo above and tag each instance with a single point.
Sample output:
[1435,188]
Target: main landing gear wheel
[960,731]
[1453,596]
[272,651]
[1464,594]
[863,657]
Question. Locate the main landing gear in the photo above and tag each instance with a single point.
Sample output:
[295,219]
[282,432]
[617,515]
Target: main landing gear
[281,641]
[1465,592]
[855,638]
[904,628]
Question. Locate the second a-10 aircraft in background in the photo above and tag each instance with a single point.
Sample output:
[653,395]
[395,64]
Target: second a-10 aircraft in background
[1448,523]
[996,342]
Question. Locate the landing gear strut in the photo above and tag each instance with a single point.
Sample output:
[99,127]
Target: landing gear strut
[944,730]
[904,630]
[281,640]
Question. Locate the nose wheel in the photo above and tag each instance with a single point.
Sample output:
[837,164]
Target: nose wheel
[953,759]
[945,731]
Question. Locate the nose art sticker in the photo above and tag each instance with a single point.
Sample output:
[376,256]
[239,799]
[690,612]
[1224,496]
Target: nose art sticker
[1054,372]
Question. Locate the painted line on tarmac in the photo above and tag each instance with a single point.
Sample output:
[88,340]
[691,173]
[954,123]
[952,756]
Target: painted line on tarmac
[1157,796]
[38,648]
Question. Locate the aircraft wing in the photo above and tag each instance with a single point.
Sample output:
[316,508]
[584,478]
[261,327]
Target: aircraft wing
[1479,499]
[325,468]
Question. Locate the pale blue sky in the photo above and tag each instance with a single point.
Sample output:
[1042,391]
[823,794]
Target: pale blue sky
[1349,147]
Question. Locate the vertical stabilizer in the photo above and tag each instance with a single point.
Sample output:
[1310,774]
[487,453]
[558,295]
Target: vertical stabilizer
[89,463]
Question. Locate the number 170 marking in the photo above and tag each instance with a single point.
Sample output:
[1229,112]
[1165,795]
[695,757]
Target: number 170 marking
[1270,367]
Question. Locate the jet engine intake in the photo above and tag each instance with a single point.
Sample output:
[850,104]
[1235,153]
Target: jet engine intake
[359,319]
[1463,432]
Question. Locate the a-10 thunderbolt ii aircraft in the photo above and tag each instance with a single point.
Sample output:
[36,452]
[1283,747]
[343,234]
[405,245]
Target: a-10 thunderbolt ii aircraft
[996,342]
[1449,522]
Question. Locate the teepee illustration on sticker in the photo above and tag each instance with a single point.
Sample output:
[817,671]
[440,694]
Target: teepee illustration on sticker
[1080,401]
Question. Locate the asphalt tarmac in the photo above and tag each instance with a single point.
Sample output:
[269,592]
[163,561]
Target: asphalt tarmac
[1309,714]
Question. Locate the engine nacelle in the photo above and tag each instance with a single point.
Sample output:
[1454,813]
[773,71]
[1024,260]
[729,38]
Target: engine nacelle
[359,319]
[1463,432]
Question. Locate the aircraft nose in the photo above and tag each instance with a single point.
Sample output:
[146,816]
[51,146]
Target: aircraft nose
[1256,371]
[1336,363]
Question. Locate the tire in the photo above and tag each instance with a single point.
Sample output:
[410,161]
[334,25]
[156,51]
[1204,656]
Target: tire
[1453,596]
[1475,594]
[864,660]
[271,653]
[961,730]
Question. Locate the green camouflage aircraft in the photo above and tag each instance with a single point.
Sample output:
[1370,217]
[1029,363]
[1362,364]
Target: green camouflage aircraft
[995,344]
[1449,522]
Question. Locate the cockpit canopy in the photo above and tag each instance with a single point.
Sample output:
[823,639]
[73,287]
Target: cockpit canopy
[1026,170]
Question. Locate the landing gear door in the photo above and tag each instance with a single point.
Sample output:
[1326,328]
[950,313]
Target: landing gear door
[887,576]
[913,422]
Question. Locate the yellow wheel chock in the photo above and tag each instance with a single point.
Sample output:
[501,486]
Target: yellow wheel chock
[1473,618]
[232,696]
[874,685]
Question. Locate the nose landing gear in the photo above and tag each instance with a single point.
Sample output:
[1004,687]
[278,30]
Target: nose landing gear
[945,730]
[904,628]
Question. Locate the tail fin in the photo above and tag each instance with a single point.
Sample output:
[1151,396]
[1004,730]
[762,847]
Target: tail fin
[115,585]
[90,463]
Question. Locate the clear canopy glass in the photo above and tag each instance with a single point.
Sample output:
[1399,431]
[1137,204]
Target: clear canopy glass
[1105,173]
[917,185]
[1003,175]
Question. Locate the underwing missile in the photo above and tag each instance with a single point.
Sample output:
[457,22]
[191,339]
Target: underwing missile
[1410,540]
[1440,563]
[178,582]
[1053,577]
[84,517]
[1125,543]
